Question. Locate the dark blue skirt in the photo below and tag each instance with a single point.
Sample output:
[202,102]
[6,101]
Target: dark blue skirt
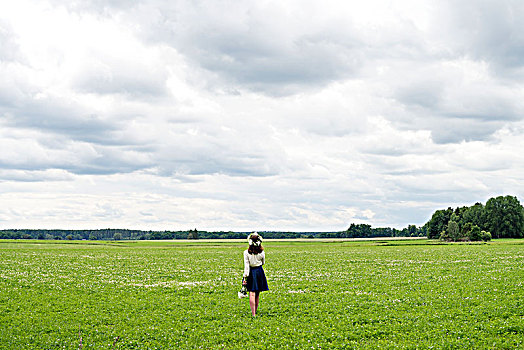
[256,281]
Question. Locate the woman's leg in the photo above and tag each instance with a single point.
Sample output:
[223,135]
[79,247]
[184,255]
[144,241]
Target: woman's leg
[253,302]
[257,297]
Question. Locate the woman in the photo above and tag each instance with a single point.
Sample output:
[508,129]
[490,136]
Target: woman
[254,277]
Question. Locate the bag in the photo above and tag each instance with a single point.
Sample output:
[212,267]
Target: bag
[243,290]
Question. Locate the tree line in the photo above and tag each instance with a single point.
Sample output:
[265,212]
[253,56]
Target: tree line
[125,234]
[114,234]
[354,231]
[366,231]
[500,217]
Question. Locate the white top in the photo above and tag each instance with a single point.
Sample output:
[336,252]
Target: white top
[253,260]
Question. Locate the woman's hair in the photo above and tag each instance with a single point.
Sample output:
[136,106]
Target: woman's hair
[255,244]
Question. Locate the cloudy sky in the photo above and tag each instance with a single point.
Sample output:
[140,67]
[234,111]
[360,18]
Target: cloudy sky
[253,115]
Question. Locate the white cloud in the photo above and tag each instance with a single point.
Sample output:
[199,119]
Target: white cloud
[256,115]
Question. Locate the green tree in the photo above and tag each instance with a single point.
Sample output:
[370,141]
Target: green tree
[485,236]
[474,233]
[439,222]
[412,231]
[358,230]
[193,234]
[444,236]
[117,236]
[466,229]
[453,230]
[505,217]
[456,218]
[476,215]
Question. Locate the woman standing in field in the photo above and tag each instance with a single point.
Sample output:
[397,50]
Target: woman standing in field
[254,277]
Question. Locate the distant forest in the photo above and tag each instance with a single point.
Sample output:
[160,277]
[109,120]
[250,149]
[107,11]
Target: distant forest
[354,231]
[501,217]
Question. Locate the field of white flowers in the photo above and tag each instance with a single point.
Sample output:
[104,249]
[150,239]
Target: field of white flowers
[336,294]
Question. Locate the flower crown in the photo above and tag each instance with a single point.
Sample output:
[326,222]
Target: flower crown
[257,243]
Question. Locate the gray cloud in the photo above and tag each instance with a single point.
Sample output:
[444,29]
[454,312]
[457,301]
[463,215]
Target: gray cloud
[302,62]
[213,151]
[459,100]
[260,48]
[119,77]
[111,161]
[34,160]
[426,93]
[487,30]
[61,118]
[458,130]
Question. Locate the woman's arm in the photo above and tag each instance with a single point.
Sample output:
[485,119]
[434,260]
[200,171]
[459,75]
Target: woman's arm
[246,263]
[263,257]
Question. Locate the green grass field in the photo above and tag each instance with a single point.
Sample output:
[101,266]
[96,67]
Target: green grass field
[341,294]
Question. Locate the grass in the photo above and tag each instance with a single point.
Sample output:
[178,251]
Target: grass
[332,294]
